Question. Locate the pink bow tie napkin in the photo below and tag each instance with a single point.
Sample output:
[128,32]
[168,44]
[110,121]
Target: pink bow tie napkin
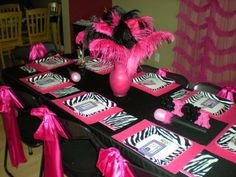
[8,104]
[227,93]
[162,72]
[48,132]
[112,164]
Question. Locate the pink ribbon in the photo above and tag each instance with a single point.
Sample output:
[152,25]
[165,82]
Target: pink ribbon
[227,93]
[178,106]
[37,51]
[162,72]
[8,103]
[48,132]
[112,164]
[203,119]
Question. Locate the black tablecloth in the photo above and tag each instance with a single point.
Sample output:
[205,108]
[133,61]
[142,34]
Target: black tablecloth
[137,103]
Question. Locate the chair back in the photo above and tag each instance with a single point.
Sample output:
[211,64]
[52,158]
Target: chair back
[206,87]
[179,79]
[9,8]
[10,28]
[38,25]
[10,33]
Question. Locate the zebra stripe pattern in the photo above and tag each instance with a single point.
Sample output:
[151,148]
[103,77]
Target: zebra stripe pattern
[56,59]
[119,120]
[183,143]
[201,164]
[201,94]
[153,75]
[228,138]
[91,95]
[28,69]
[58,77]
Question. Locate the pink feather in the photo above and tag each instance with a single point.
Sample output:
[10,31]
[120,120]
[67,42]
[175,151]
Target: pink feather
[134,27]
[115,18]
[80,37]
[108,50]
[103,27]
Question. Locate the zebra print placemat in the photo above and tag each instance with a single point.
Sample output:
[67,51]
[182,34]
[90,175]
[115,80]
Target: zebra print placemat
[89,107]
[180,94]
[210,103]
[118,120]
[46,82]
[200,165]
[224,145]
[28,69]
[64,91]
[153,83]
[49,63]
[97,67]
[228,140]
[159,145]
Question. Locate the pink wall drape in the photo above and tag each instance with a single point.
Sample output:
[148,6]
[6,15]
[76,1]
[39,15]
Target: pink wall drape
[206,41]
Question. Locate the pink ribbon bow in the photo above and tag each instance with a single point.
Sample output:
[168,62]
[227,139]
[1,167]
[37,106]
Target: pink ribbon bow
[8,103]
[112,164]
[162,72]
[227,93]
[203,119]
[178,106]
[48,132]
[37,51]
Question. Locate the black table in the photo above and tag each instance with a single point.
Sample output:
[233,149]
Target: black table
[131,104]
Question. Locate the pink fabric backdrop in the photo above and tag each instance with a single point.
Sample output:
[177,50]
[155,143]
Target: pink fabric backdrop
[206,41]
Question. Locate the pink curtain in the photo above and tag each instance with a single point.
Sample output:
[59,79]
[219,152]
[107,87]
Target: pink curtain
[206,41]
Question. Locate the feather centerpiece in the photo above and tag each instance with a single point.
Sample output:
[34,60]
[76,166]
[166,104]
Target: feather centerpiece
[123,37]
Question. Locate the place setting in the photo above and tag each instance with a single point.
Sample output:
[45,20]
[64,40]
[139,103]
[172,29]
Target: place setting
[153,83]
[47,82]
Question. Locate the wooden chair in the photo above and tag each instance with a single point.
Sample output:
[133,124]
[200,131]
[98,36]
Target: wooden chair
[55,12]
[206,87]
[10,33]
[209,87]
[38,25]
[9,8]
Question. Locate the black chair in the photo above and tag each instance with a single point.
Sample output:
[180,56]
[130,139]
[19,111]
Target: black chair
[206,87]
[178,78]
[27,125]
[20,55]
[209,87]
[80,153]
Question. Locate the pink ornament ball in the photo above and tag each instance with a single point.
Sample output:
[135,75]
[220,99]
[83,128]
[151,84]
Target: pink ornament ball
[75,76]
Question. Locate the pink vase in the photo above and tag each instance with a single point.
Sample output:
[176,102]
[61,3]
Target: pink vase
[120,81]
